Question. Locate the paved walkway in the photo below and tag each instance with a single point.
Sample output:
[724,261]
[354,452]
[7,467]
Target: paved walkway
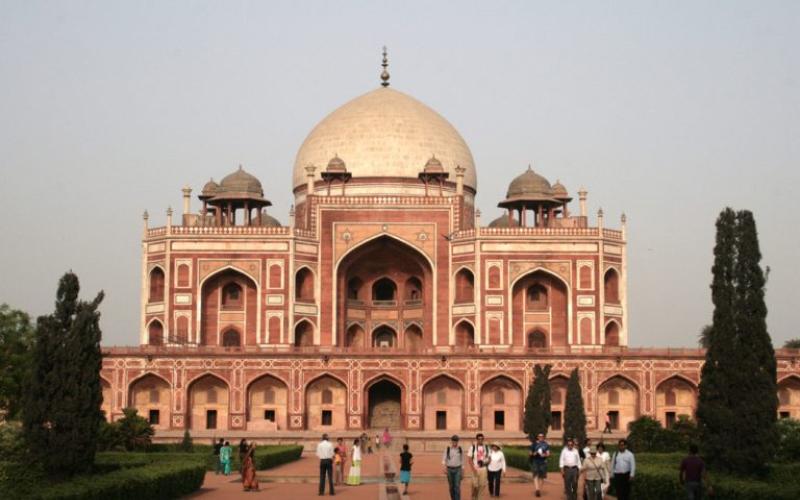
[300,479]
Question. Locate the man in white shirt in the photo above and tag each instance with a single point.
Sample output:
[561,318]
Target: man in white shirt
[478,451]
[623,467]
[325,455]
[570,464]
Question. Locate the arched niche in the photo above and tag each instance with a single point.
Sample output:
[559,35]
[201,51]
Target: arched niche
[209,403]
[229,299]
[267,403]
[789,397]
[540,299]
[413,338]
[537,339]
[611,286]
[151,396]
[384,404]
[675,397]
[443,404]
[355,337]
[326,404]
[155,333]
[304,285]
[384,337]
[501,405]
[464,334]
[612,334]
[156,289]
[558,401]
[464,286]
[617,398]
[304,334]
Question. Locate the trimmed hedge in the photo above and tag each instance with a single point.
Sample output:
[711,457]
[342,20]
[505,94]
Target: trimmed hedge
[158,481]
[277,455]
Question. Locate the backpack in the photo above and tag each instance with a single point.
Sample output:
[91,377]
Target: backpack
[473,450]
[460,452]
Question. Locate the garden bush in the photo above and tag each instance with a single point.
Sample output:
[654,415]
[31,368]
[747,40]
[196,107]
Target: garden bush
[789,439]
[647,435]
[268,457]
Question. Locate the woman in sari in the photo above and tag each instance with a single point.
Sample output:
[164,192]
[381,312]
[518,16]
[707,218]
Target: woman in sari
[354,476]
[387,438]
[225,458]
[249,480]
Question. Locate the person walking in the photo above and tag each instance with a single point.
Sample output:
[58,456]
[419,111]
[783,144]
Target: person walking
[594,471]
[495,470]
[453,462]
[607,429]
[339,458]
[325,455]
[217,447]
[354,475]
[623,466]
[480,478]
[243,447]
[249,479]
[478,451]
[537,455]
[406,461]
[377,443]
[387,438]
[225,458]
[693,474]
[603,454]
[570,464]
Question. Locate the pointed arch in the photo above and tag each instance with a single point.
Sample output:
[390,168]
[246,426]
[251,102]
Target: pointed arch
[267,400]
[207,327]
[675,395]
[303,333]
[305,280]
[151,394]
[156,278]
[325,399]
[619,403]
[611,333]
[155,332]
[464,285]
[464,333]
[557,384]
[204,411]
[501,404]
[384,401]
[611,279]
[443,403]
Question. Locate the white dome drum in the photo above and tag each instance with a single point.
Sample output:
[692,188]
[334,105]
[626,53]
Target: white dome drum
[384,134]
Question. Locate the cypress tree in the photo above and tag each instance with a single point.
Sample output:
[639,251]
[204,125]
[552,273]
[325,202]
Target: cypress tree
[62,404]
[537,404]
[756,395]
[737,406]
[574,414]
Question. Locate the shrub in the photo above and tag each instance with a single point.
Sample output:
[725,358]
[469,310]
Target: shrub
[186,443]
[647,435]
[153,481]
[136,431]
[268,457]
[789,439]
[109,436]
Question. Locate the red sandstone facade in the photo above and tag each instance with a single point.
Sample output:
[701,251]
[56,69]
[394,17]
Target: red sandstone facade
[386,302]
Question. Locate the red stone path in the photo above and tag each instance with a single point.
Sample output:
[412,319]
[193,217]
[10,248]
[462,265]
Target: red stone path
[299,480]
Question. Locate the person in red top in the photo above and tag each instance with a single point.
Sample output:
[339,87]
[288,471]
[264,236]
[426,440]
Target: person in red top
[692,475]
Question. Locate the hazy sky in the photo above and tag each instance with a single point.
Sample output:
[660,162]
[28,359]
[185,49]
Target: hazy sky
[668,111]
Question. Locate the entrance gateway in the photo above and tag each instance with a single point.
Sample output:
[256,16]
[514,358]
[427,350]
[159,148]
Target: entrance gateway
[384,405]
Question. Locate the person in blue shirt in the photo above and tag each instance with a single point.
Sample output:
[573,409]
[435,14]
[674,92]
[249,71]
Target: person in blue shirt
[539,451]
[623,468]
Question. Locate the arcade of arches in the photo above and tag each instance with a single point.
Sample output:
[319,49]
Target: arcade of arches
[444,400]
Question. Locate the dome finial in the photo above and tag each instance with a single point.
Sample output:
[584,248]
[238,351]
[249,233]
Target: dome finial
[384,73]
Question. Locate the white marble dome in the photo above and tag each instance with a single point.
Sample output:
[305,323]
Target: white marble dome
[384,133]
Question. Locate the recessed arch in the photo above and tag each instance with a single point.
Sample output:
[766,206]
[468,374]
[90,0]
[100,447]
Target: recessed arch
[107,393]
[464,333]
[675,395]
[376,237]
[326,402]
[464,285]
[355,336]
[557,384]
[561,330]
[150,394]
[618,399]
[536,338]
[209,305]
[443,403]
[231,337]
[304,284]
[383,289]
[156,283]
[383,399]
[612,333]
[788,392]
[304,333]
[611,280]
[155,332]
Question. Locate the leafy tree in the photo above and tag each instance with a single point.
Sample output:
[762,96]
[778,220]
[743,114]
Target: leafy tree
[16,338]
[792,344]
[537,405]
[186,443]
[574,414]
[61,413]
[737,406]
[647,435]
[788,439]
[135,431]
[704,338]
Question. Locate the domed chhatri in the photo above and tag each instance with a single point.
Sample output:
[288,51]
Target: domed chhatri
[210,190]
[532,192]
[385,134]
[240,184]
[529,185]
[504,221]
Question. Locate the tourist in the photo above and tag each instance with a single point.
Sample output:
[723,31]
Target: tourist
[325,455]
[339,458]
[225,456]
[570,464]
[405,468]
[623,466]
[243,447]
[478,451]
[539,451]
[603,454]
[496,468]
[354,475]
[607,429]
[377,442]
[479,480]
[453,461]
[692,474]
[387,438]
[249,479]
[366,444]
[586,446]
[217,446]
[595,473]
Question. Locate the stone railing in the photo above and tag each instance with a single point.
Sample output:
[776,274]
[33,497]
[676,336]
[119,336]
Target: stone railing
[218,230]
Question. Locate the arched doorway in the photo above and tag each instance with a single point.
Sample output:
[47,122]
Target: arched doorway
[384,337]
[558,401]
[355,336]
[443,404]
[465,334]
[385,408]
[540,301]
[304,334]
[501,405]
[267,402]
[612,334]
[155,333]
